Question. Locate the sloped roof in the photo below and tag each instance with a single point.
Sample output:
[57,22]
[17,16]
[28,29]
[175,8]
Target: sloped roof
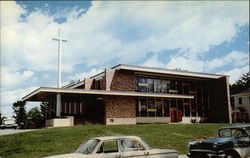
[167,71]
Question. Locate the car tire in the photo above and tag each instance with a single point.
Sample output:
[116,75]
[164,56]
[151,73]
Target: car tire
[232,154]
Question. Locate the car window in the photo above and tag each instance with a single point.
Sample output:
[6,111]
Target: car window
[248,131]
[238,133]
[225,133]
[232,132]
[108,147]
[88,147]
[130,145]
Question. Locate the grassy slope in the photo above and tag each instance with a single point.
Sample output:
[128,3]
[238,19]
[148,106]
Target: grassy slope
[63,140]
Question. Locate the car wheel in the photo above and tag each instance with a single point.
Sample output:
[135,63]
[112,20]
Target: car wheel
[232,155]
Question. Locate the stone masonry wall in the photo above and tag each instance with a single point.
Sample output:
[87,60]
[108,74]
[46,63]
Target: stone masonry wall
[109,78]
[119,107]
[123,81]
[88,83]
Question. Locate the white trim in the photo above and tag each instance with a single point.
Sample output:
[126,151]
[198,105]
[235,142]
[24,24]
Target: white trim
[104,92]
[241,95]
[76,85]
[98,76]
[167,71]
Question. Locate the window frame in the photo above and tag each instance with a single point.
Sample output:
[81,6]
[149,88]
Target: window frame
[102,142]
[138,142]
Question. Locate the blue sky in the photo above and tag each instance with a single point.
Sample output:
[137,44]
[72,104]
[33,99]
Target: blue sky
[197,36]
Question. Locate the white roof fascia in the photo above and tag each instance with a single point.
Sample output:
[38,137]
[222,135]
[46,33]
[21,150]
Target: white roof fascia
[98,76]
[241,95]
[77,85]
[104,92]
[166,71]
[32,94]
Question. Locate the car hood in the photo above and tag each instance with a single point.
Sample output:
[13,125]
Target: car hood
[70,155]
[218,140]
[157,151]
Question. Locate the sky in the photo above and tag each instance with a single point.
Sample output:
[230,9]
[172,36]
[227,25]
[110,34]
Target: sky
[207,36]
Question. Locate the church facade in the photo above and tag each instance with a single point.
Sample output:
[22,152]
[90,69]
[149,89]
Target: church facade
[127,94]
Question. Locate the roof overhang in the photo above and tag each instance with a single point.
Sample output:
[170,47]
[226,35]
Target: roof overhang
[41,93]
[167,71]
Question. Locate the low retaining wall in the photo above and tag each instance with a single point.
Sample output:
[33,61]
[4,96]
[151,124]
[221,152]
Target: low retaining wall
[60,122]
[188,119]
[120,121]
[152,119]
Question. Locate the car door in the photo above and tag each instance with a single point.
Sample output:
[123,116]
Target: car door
[108,149]
[132,149]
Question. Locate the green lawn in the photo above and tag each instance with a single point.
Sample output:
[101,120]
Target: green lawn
[53,141]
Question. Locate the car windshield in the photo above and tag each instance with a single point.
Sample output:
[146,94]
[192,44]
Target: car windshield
[88,147]
[9,121]
[148,146]
[232,132]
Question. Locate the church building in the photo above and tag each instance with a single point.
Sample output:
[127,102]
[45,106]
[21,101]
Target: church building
[127,94]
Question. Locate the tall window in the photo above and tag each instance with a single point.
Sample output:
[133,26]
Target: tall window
[151,85]
[240,100]
[152,107]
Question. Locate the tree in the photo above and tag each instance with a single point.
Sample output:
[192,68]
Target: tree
[19,112]
[241,85]
[35,117]
[1,118]
[43,107]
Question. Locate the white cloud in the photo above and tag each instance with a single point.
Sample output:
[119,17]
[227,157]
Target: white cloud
[8,97]
[153,62]
[112,30]
[186,64]
[238,60]
[81,76]
[12,79]
[234,58]
[236,73]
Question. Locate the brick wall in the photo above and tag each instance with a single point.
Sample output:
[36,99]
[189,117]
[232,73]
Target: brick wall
[103,83]
[123,81]
[119,107]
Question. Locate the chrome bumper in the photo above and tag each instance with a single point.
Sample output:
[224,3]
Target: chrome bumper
[209,153]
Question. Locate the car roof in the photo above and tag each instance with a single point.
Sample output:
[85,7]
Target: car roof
[237,126]
[117,137]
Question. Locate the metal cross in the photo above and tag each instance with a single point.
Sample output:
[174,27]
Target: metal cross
[60,40]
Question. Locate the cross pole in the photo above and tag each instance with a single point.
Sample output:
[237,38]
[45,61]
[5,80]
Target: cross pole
[59,75]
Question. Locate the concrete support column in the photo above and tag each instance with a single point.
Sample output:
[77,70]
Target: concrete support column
[109,77]
[88,83]
[58,104]
[228,101]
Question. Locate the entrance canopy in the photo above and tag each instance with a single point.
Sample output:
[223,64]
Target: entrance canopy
[42,93]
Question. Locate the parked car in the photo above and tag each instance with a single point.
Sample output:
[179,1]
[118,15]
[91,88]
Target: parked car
[118,147]
[231,142]
[8,123]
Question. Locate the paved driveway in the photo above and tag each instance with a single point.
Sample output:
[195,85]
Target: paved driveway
[182,156]
[13,131]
